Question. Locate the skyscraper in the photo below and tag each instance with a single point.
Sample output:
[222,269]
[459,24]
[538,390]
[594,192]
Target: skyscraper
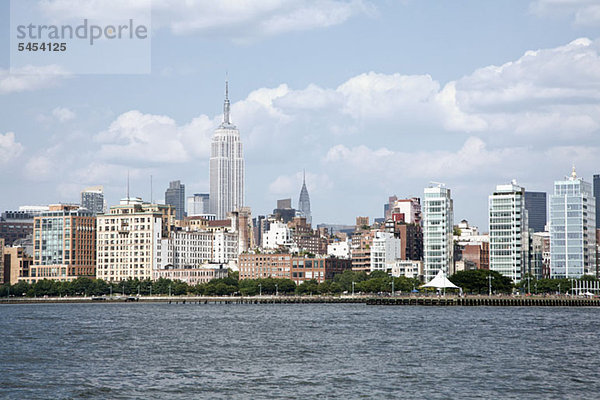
[175,196]
[304,201]
[509,238]
[226,166]
[597,196]
[198,204]
[572,233]
[92,198]
[535,203]
[438,216]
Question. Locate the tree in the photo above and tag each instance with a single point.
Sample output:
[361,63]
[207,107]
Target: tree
[477,281]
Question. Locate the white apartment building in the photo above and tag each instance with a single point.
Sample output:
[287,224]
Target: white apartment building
[129,237]
[509,240]
[384,251]
[406,268]
[339,249]
[278,235]
[438,224]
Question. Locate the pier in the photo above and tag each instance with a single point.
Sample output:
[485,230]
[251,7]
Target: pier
[468,301]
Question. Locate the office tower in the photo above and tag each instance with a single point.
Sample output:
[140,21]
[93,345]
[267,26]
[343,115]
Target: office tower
[572,233]
[509,239]
[304,202]
[438,249]
[198,204]
[129,239]
[535,204]
[226,166]
[92,198]
[175,196]
[64,244]
[597,197]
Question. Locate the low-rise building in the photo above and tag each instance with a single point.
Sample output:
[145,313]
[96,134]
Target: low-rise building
[193,275]
[16,265]
[407,268]
[384,251]
[286,266]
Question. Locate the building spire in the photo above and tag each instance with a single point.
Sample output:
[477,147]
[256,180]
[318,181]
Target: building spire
[226,105]
[303,176]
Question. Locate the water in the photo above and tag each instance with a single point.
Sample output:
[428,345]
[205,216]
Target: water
[157,351]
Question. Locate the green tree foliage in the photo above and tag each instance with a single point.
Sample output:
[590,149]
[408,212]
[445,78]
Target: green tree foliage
[476,281]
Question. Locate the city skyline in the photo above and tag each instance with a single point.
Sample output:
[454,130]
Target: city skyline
[460,111]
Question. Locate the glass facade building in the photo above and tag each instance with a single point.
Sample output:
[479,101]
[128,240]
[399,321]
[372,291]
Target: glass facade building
[572,228]
[509,239]
[438,225]
[175,196]
[536,206]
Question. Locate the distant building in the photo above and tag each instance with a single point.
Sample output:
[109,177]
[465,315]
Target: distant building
[572,220]
[227,168]
[304,202]
[407,209]
[278,235]
[406,268]
[193,275]
[540,255]
[360,250]
[362,223]
[15,225]
[175,196]
[384,251]
[198,204]
[509,240]
[438,223]
[92,199]
[286,266]
[16,265]
[339,249]
[284,210]
[597,198]
[387,207]
[64,244]
[410,235]
[535,204]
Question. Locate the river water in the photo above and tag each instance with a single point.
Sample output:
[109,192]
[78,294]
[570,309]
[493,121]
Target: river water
[160,351]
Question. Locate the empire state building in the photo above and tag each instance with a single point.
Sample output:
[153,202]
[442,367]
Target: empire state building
[226,166]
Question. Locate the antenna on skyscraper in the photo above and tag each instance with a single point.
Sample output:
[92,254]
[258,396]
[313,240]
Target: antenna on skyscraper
[151,200]
[127,186]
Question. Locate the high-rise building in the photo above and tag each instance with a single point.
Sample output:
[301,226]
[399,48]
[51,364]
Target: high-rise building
[535,204]
[226,166]
[129,238]
[597,197]
[509,240]
[572,233]
[304,202]
[92,198]
[64,244]
[198,204]
[438,224]
[175,196]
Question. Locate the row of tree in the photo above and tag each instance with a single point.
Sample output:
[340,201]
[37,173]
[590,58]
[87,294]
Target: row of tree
[476,282]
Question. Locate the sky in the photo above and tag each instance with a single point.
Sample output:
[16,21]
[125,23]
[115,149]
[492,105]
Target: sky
[371,98]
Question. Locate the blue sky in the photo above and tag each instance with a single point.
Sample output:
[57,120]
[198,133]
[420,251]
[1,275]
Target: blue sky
[371,98]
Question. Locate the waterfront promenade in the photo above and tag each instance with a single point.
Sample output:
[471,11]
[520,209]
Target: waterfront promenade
[506,301]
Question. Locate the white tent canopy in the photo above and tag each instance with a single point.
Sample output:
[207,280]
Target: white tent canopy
[440,282]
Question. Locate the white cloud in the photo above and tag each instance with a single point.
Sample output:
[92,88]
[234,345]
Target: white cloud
[30,78]
[135,137]
[63,114]
[9,148]
[239,20]
[39,168]
[290,185]
[584,12]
